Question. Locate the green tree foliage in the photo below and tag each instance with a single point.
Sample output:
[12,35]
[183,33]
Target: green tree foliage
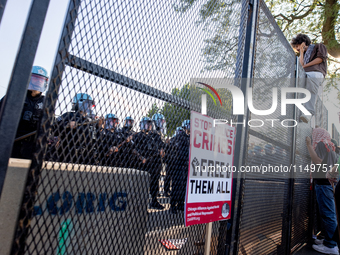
[175,114]
[318,19]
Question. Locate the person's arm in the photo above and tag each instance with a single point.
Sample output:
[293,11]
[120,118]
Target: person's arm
[302,50]
[314,62]
[315,158]
[333,174]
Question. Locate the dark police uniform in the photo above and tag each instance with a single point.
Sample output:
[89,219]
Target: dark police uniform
[180,170]
[126,157]
[76,144]
[148,146]
[30,116]
[169,160]
[106,140]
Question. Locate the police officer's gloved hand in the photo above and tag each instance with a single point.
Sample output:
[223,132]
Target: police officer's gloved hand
[73,124]
[162,153]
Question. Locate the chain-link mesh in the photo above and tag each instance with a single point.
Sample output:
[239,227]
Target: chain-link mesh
[109,175]
[267,195]
[335,134]
[302,194]
[263,220]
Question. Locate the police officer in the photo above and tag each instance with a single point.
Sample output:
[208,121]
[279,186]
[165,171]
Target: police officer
[77,131]
[149,150]
[125,151]
[160,130]
[109,141]
[180,172]
[257,158]
[31,114]
[169,159]
[160,124]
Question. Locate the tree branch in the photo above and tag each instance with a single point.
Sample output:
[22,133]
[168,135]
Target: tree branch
[328,34]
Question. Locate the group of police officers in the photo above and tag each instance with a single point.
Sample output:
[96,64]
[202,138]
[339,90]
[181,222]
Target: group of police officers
[83,138]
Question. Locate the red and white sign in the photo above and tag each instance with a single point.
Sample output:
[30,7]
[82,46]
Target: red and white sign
[209,186]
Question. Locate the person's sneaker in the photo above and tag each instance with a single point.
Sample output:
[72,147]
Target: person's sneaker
[156,205]
[305,118]
[318,241]
[325,250]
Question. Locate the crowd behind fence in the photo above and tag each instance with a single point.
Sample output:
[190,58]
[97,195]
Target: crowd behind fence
[108,175]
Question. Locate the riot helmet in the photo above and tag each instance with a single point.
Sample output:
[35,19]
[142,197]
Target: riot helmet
[84,103]
[39,79]
[178,130]
[160,123]
[269,149]
[146,124]
[111,121]
[128,122]
[186,126]
[258,150]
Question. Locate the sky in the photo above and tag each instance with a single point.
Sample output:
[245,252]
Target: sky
[137,67]
[11,29]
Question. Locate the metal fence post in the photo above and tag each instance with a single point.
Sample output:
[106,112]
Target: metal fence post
[2,8]
[242,130]
[17,88]
[291,181]
[45,124]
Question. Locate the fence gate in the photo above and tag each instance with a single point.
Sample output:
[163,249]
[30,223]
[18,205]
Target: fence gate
[101,182]
[92,191]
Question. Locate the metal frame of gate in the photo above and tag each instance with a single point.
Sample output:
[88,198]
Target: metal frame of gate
[19,82]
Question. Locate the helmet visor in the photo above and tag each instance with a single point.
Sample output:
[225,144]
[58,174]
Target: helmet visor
[161,124]
[111,123]
[86,106]
[128,123]
[38,83]
[147,125]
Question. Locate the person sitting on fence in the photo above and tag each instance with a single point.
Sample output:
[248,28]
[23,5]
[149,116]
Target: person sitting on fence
[313,58]
[23,146]
[322,153]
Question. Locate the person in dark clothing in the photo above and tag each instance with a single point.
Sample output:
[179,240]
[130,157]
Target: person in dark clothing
[322,152]
[313,58]
[77,131]
[126,156]
[180,171]
[149,150]
[169,159]
[31,114]
[160,130]
[108,142]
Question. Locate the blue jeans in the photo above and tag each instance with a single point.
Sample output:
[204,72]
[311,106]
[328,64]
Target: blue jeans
[325,198]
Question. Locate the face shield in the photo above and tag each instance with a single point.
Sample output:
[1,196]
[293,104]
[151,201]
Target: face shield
[86,107]
[146,125]
[161,125]
[38,83]
[179,131]
[128,123]
[111,123]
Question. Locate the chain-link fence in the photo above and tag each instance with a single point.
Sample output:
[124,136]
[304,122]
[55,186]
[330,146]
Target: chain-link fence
[335,134]
[113,130]
[276,209]
[110,167]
